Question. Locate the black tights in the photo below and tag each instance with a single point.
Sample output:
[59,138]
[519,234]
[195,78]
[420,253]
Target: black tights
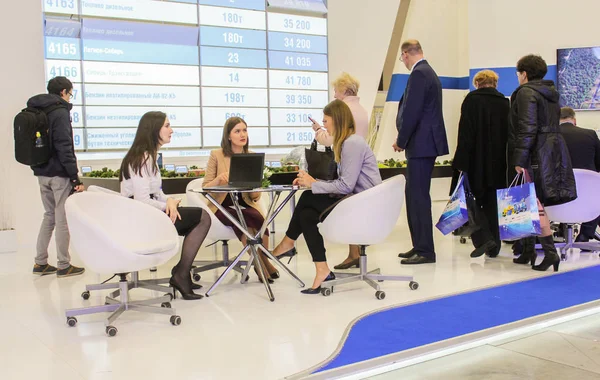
[194,225]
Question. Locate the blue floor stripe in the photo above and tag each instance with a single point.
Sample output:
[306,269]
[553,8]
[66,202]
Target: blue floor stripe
[411,326]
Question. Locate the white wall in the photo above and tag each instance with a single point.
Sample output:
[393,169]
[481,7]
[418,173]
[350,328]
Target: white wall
[440,27]
[22,65]
[359,37]
[501,32]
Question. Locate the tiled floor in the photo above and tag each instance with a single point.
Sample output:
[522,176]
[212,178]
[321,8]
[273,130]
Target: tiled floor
[567,351]
[236,333]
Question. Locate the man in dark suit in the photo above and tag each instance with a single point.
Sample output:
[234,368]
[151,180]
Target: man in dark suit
[584,148]
[422,135]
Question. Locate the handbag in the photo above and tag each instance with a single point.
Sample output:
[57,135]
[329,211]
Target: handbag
[518,210]
[474,213]
[321,165]
[455,213]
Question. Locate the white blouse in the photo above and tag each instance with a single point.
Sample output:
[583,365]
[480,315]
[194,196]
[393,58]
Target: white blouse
[145,186]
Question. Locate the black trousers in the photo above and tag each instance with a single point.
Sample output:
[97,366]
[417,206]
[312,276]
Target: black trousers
[588,230]
[489,220]
[418,205]
[305,220]
[190,217]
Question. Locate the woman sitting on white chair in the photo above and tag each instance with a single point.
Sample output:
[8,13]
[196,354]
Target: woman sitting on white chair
[357,171]
[141,180]
[235,141]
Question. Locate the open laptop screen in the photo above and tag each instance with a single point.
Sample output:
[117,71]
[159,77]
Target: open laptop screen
[246,169]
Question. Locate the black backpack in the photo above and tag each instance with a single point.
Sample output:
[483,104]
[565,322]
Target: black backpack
[33,144]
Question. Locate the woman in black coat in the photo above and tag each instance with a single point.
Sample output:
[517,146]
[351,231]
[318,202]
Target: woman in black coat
[537,146]
[481,154]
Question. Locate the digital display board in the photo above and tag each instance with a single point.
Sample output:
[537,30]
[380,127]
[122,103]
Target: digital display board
[199,61]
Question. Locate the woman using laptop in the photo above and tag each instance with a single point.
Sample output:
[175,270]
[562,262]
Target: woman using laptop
[235,141]
[357,171]
[140,179]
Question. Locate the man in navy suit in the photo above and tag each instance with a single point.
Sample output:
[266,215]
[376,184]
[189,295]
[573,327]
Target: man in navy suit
[422,135]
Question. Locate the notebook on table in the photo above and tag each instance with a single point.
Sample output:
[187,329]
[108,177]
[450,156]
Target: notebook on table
[245,172]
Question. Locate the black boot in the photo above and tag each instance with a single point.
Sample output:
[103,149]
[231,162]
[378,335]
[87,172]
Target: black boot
[551,257]
[527,252]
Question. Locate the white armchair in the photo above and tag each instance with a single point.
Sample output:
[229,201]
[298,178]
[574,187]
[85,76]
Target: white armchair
[366,219]
[583,209]
[117,235]
[135,282]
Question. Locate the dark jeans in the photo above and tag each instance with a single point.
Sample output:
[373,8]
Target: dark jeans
[305,220]
[489,221]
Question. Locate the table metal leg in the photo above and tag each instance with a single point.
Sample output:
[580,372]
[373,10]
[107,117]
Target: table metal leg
[227,270]
[254,242]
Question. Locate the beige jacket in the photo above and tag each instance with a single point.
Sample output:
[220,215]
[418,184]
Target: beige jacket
[218,164]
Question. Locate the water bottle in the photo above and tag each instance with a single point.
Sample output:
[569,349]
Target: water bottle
[39,143]
[303,164]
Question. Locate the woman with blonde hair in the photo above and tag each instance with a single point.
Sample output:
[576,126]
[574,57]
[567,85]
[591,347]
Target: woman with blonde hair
[235,141]
[357,171]
[345,88]
[481,154]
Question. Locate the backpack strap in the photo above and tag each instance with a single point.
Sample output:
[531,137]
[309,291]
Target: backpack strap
[54,107]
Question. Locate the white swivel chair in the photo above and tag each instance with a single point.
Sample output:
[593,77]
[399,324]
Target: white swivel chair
[583,209]
[135,282]
[218,232]
[366,219]
[119,235]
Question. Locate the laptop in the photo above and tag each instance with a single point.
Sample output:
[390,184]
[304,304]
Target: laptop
[245,172]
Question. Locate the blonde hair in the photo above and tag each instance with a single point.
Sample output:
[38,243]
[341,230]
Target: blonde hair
[485,78]
[343,122]
[347,83]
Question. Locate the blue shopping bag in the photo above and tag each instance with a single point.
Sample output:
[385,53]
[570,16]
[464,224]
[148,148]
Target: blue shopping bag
[455,214]
[518,212]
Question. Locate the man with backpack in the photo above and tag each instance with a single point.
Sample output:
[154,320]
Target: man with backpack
[57,177]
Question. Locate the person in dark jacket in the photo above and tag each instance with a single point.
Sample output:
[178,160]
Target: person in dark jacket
[57,178]
[481,155]
[537,149]
[422,134]
[584,147]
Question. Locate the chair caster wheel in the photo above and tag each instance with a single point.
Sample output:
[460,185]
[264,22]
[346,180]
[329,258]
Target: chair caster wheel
[170,295]
[413,285]
[166,305]
[197,277]
[85,295]
[111,330]
[71,321]
[153,269]
[463,240]
[326,292]
[380,295]
[175,320]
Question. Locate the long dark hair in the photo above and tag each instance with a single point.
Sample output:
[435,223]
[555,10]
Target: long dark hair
[225,143]
[145,145]
[343,122]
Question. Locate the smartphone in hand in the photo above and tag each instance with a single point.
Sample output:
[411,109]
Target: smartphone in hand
[312,120]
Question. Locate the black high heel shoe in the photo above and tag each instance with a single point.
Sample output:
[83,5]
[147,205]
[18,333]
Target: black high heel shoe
[317,290]
[274,275]
[194,285]
[348,265]
[291,253]
[186,294]
[269,279]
